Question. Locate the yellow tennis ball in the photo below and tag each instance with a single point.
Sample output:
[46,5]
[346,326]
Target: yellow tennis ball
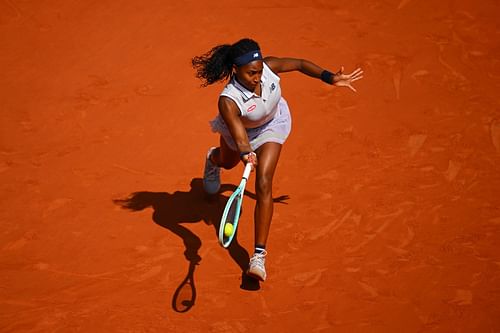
[228,229]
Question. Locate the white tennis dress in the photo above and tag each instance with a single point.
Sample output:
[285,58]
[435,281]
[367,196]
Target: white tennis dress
[266,118]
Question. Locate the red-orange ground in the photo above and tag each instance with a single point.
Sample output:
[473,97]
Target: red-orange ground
[393,217]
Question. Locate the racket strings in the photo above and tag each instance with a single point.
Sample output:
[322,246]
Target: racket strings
[232,216]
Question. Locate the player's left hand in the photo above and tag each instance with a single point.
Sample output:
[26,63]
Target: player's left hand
[345,80]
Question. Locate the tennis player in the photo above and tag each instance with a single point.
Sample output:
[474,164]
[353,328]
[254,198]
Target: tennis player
[253,121]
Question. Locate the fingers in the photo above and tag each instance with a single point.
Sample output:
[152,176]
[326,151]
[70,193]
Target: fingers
[251,158]
[357,78]
[346,79]
[254,161]
[357,71]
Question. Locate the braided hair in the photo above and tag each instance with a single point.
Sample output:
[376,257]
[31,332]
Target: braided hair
[216,65]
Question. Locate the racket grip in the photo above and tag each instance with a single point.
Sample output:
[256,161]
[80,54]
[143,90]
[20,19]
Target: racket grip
[246,172]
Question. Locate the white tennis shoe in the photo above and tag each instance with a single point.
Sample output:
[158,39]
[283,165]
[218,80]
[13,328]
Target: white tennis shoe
[211,175]
[256,267]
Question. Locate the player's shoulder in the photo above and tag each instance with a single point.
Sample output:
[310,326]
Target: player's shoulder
[271,68]
[272,62]
[229,84]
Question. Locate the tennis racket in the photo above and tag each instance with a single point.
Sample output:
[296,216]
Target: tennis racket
[231,214]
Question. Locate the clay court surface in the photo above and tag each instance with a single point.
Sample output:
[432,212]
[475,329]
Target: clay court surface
[388,201]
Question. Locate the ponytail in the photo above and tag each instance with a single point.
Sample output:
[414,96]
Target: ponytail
[214,65]
[217,64]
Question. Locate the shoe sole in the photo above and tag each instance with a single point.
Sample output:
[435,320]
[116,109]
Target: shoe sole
[256,276]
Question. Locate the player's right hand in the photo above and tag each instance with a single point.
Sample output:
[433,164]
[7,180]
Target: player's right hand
[250,158]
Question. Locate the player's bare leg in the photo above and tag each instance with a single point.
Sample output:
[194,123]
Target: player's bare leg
[220,157]
[225,157]
[268,155]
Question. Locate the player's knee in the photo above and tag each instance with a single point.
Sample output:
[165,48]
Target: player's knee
[264,185]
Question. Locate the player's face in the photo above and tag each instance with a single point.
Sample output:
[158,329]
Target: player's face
[249,75]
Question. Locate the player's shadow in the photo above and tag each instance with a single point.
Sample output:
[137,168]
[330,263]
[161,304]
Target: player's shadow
[171,210]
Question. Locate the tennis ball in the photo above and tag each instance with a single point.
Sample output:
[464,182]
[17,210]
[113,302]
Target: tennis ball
[228,229]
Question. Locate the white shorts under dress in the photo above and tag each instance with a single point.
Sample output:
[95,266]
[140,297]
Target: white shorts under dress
[276,130]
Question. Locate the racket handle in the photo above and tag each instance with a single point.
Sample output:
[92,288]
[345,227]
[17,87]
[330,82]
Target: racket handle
[246,172]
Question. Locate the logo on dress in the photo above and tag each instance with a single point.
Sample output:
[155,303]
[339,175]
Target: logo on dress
[251,108]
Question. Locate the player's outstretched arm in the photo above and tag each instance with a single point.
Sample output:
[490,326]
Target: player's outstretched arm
[339,79]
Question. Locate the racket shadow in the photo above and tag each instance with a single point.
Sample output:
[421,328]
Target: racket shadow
[185,294]
[172,210]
